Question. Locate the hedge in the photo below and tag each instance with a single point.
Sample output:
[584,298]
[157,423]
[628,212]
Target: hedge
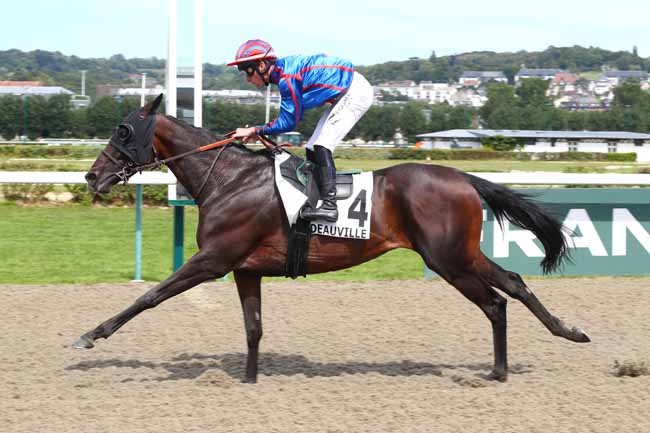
[41,151]
[91,152]
[487,154]
[120,195]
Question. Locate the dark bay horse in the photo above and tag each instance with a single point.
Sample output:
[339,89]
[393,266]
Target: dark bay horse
[433,210]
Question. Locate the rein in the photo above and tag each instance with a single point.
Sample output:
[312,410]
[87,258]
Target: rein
[132,168]
[207,147]
[129,170]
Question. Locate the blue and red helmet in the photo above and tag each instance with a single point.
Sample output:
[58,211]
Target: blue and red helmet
[253,50]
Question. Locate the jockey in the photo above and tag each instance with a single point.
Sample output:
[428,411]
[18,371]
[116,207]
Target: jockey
[308,82]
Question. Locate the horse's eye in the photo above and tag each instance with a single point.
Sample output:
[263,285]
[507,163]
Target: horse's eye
[124,132]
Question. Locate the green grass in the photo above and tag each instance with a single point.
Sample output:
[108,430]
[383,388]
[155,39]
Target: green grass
[591,75]
[77,244]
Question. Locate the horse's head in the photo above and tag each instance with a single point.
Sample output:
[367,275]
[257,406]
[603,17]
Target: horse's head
[130,147]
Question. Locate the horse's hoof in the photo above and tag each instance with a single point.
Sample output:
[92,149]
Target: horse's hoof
[580,336]
[500,376]
[83,343]
[250,380]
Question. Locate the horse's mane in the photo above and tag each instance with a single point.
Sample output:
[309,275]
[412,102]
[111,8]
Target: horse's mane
[194,130]
[205,134]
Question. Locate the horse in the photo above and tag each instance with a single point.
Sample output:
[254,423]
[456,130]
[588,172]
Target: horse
[242,228]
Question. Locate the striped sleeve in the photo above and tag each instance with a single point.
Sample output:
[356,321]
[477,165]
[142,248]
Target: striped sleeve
[291,109]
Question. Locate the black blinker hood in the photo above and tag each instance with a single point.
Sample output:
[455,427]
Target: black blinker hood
[134,137]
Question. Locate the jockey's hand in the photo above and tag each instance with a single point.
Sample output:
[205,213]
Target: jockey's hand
[244,133]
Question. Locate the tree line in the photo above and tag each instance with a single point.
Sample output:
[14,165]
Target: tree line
[57,69]
[527,107]
[37,117]
[450,68]
[508,107]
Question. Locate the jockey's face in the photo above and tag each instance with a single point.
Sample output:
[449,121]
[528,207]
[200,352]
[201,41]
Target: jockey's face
[254,78]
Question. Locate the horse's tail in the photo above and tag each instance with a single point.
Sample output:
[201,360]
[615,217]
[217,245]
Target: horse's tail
[521,210]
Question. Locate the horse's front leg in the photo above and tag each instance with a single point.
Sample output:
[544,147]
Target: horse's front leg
[197,270]
[250,295]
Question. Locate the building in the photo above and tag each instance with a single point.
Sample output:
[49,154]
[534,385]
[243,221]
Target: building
[24,91]
[21,83]
[546,141]
[618,77]
[468,98]
[406,88]
[563,84]
[543,74]
[479,78]
[581,103]
[433,93]
[247,97]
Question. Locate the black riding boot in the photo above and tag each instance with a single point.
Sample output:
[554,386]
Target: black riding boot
[327,187]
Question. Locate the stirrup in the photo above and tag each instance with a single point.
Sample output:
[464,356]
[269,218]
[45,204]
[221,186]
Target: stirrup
[321,213]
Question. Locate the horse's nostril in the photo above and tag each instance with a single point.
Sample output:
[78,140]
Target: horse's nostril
[91,177]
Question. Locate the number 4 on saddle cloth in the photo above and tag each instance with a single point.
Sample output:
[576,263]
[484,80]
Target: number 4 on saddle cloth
[294,179]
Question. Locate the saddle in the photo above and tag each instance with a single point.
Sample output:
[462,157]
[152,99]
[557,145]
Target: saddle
[300,173]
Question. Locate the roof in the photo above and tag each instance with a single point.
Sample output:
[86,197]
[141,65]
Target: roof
[625,74]
[483,74]
[477,134]
[539,72]
[34,90]
[21,83]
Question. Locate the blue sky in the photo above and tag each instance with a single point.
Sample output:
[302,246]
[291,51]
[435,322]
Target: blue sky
[366,32]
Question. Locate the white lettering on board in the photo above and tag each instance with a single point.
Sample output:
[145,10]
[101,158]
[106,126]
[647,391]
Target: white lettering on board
[523,239]
[622,221]
[579,219]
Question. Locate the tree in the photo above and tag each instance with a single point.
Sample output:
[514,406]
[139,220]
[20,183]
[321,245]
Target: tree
[79,123]
[11,115]
[533,117]
[58,116]
[628,94]
[499,142]
[503,117]
[35,115]
[500,110]
[412,121]
[103,116]
[532,92]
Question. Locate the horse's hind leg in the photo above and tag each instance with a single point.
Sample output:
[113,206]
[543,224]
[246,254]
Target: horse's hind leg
[250,296]
[493,305]
[192,273]
[512,284]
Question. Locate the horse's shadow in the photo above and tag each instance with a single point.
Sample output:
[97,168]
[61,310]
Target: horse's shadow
[192,366]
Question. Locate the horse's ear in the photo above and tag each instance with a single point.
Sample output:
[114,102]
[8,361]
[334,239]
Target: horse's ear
[151,107]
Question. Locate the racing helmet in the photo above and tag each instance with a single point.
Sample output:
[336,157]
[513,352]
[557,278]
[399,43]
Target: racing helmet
[252,51]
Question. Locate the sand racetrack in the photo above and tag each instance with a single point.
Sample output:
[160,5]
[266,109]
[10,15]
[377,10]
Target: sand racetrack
[402,356]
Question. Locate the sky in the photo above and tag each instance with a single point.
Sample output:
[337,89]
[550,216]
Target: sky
[365,32]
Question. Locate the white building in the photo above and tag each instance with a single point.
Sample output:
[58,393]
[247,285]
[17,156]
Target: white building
[433,93]
[405,88]
[45,91]
[544,74]
[468,98]
[235,96]
[479,78]
[546,141]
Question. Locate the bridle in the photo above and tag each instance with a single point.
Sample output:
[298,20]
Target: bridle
[125,134]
